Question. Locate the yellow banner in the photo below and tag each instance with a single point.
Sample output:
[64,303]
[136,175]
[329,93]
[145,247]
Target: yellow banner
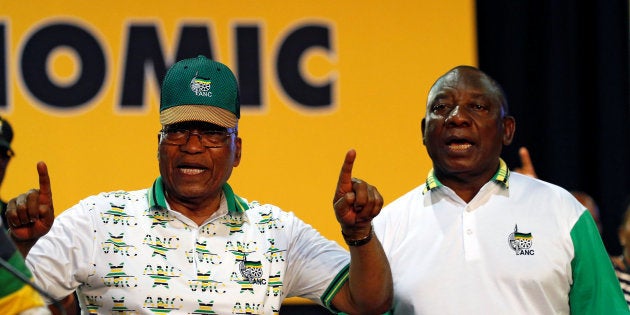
[80,85]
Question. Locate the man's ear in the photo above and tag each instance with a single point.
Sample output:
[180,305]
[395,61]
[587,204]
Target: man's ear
[422,125]
[509,127]
[158,146]
[237,151]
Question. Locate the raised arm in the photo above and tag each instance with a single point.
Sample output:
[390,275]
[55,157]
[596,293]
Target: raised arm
[369,289]
[31,215]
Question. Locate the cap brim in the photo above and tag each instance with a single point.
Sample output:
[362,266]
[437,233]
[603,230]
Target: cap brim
[205,113]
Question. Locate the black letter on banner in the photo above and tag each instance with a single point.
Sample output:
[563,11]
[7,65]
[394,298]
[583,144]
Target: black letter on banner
[3,68]
[35,55]
[143,46]
[194,41]
[288,66]
[248,61]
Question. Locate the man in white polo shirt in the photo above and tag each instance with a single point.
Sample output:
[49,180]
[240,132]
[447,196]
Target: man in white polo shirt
[475,238]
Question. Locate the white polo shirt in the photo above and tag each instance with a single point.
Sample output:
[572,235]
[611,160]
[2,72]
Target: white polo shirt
[127,252]
[520,246]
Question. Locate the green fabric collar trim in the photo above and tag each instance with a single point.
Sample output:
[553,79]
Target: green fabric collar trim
[156,197]
[501,176]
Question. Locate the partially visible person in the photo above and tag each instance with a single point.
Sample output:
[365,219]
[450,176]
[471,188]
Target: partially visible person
[16,296]
[527,168]
[188,244]
[475,238]
[587,201]
[622,262]
[6,153]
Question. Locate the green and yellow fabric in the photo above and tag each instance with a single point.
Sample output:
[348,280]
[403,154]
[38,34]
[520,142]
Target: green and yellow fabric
[15,295]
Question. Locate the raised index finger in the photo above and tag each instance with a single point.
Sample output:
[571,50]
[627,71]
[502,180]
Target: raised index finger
[45,193]
[526,161]
[344,184]
[527,167]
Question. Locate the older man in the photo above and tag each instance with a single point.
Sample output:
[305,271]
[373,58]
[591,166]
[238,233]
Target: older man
[189,244]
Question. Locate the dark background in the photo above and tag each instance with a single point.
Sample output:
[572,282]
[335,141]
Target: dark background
[564,66]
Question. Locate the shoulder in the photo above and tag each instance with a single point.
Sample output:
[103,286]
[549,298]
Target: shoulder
[106,201]
[524,184]
[280,225]
[413,196]
[546,196]
[121,196]
[264,212]
[414,193]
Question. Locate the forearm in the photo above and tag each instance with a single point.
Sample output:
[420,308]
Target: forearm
[369,289]
[24,246]
[69,305]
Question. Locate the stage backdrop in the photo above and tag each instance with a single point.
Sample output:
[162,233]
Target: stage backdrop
[80,84]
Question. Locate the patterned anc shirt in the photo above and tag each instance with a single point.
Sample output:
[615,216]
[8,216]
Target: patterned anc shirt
[127,252]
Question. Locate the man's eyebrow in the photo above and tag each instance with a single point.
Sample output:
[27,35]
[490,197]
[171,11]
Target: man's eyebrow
[441,95]
[480,96]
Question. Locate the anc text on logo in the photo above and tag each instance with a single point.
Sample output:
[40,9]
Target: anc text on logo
[520,242]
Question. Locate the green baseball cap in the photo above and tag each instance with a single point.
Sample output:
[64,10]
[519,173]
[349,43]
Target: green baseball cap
[200,89]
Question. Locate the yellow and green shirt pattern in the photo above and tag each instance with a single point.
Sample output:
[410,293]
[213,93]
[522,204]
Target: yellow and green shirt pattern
[128,253]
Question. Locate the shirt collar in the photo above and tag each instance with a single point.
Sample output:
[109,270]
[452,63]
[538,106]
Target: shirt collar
[157,198]
[501,177]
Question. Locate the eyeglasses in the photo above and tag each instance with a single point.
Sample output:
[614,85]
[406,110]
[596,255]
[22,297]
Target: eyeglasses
[208,138]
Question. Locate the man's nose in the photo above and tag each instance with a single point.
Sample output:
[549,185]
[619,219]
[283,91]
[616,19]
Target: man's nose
[194,142]
[458,116]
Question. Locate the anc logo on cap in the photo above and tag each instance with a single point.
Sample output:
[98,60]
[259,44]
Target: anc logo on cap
[201,86]
[521,243]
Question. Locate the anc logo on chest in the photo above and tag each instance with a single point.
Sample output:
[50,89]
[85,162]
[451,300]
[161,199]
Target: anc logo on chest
[252,271]
[521,243]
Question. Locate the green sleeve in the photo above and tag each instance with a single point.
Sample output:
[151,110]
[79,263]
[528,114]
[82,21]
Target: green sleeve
[595,288]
